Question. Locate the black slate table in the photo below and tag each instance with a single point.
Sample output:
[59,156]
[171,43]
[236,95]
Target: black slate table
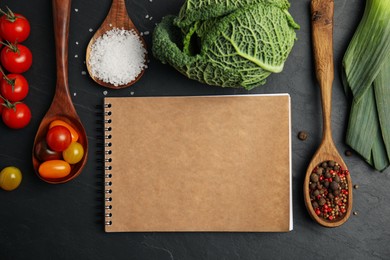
[43,221]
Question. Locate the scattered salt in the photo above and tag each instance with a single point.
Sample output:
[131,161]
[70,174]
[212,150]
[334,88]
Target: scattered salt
[105,92]
[117,57]
[76,56]
[150,18]
[77,43]
[132,93]
[150,0]
[83,73]
[90,29]
[147,16]
[146,33]
[76,10]
[110,24]
[74,94]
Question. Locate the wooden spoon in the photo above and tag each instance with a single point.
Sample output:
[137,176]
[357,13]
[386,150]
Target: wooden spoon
[117,18]
[322,36]
[61,107]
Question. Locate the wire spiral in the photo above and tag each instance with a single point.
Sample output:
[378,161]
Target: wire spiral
[107,166]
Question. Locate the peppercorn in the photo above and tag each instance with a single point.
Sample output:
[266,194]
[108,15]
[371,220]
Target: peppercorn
[336,178]
[321,201]
[328,174]
[313,186]
[316,193]
[348,152]
[320,170]
[324,164]
[315,204]
[302,135]
[330,196]
[331,163]
[334,185]
[326,184]
[314,177]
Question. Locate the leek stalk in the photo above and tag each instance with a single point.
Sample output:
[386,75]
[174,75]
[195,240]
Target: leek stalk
[366,74]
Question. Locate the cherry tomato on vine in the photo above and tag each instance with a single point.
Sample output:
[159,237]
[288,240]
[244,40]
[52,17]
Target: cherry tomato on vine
[16,115]
[10,178]
[2,102]
[74,153]
[44,153]
[58,138]
[16,58]
[14,27]
[73,132]
[14,87]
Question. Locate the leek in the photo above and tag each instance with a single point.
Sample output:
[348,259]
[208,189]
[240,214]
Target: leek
[366,74]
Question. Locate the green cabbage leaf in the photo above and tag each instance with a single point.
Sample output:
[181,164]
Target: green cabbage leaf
[227,43]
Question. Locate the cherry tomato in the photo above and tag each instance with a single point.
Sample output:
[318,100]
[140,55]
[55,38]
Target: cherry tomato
[14,87]
[2,102]
[43,152]
[16,58]
[58,138]
[74,153]
[16,115]
[14,27]
[74,134]
[54,169]
[10,178]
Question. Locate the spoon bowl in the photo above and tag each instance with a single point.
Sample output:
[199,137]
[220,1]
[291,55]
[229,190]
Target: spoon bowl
[117,17]
[61,107]
[322,35]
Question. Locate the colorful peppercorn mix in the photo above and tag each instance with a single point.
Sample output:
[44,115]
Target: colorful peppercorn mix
[328,189]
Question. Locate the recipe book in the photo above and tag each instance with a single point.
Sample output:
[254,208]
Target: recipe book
[203,163]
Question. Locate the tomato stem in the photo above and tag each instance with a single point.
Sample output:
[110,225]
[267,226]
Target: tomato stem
[11,46]
[9,81]
[9,14]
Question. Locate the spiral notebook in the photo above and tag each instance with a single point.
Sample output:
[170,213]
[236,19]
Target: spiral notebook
[205,163]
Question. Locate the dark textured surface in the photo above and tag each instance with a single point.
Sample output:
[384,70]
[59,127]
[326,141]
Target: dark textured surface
[39,220]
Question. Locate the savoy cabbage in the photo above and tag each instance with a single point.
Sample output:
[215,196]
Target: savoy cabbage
[229,43]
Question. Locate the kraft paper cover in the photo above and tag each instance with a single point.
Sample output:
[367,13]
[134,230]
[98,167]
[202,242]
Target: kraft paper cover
[213,163]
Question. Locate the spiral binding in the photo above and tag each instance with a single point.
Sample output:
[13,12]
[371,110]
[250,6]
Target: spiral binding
[107,166]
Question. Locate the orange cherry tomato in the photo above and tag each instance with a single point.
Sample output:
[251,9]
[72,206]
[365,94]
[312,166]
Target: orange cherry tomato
[73,132]
[54,169]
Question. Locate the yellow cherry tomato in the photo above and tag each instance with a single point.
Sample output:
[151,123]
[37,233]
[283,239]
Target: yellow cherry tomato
[54,169]
[73,132]
[74,153]
[10,178]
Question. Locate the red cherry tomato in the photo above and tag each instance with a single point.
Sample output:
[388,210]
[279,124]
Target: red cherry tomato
[58,138]
[54,169]
[1,105]
[43,152]
[16,58]
[14,27]
[73,132]
[16,116]
[14,87]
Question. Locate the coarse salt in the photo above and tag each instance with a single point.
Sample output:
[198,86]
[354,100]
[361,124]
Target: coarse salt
[117,57]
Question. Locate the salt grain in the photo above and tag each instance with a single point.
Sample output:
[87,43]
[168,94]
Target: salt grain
[83,73]
[77,43]
[76,10]
[74,94]
[90,29]
[146,33]
[117,57]
[105,92]
[76,56]
[147,16]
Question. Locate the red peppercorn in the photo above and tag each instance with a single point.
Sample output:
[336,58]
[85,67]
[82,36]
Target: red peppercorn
[343,210]
[318,212]
[330,217]
[321,177]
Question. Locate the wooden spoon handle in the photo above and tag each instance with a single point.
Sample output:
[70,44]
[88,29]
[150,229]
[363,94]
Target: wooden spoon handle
[322,35]
[61,16]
